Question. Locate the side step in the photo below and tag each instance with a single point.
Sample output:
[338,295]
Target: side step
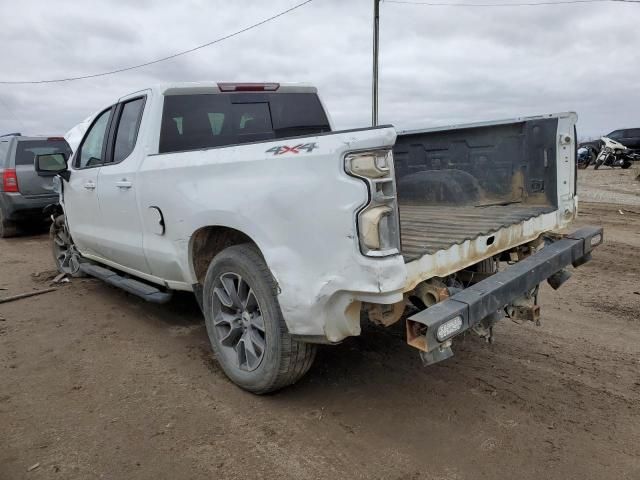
[135,287]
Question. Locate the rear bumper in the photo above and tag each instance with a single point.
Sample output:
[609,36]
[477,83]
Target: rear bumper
[16,206]
[488,296]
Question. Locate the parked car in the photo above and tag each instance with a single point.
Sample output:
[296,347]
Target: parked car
[287,231]
[24,194]
[629,137]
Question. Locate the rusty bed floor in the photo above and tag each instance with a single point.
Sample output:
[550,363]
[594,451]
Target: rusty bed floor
[428,229]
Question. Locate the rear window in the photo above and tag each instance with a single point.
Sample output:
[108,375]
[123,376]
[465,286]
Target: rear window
[191,122]
[27,150]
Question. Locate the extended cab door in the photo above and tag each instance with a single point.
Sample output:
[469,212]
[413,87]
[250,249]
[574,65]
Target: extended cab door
[80,192]
[120,222]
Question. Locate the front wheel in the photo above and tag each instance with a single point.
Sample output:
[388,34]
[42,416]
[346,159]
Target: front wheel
[598,163]
[625,164]
[245,325]
[65,254]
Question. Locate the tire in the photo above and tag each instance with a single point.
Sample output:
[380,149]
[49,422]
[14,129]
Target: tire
[240,334]
[7,228]
[626,164]
[62,246]
[593,155]
[597,165]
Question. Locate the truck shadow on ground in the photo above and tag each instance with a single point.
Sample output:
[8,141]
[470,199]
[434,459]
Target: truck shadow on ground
[378,351]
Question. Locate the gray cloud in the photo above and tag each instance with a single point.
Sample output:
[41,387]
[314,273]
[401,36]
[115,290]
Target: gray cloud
[438,65]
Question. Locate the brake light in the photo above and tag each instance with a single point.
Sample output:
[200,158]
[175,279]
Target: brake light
[248,87]
[10,180]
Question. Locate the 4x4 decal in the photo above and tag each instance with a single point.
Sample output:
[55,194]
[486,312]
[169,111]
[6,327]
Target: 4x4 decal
[281,149]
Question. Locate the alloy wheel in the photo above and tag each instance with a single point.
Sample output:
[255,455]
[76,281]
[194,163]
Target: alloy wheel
[64,251]
[238,321]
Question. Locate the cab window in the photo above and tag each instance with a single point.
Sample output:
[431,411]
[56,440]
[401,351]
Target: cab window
[127,132]
[91,151]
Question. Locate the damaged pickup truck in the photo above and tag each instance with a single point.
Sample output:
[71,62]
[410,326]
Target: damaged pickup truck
[289,233]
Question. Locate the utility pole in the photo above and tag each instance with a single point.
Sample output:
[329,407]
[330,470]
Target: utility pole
[374,93]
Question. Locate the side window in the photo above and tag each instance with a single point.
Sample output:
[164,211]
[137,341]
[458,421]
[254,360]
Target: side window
[90,151]
[632,133]
[127,131]
[616,135]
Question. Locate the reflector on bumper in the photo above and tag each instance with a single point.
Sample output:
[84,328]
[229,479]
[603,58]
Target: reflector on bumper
[449,328]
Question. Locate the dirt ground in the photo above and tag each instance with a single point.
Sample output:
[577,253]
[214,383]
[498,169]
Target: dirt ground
[95,383]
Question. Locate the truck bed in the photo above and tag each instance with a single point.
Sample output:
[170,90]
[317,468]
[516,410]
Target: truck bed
[457,184]
[426,230]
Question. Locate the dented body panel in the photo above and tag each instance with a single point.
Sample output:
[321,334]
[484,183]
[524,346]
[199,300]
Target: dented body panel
[299,210]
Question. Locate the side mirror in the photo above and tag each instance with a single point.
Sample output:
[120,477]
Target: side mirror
[50,164]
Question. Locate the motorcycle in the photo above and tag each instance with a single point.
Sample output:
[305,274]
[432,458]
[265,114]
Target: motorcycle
[613,154]
[586,156]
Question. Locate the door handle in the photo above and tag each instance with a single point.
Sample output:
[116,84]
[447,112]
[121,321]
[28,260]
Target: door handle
[124,184]
[90,185]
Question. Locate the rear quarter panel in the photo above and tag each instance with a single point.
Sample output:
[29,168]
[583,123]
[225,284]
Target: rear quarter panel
[299,208]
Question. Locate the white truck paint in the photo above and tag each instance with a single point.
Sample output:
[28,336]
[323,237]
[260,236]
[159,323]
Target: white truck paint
[299,206]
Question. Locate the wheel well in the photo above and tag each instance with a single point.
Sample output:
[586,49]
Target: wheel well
[207,242]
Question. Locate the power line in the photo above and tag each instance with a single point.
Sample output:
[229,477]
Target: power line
[527,4]
[163,59]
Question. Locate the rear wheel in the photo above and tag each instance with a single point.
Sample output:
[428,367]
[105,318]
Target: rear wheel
[65,254]
[245,325]
[7,228]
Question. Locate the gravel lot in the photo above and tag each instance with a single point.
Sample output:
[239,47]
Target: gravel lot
[95,383]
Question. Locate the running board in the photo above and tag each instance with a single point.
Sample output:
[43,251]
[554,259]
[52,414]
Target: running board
[135,287]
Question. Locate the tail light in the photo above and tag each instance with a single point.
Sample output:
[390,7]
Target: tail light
[10,180]
[378,220]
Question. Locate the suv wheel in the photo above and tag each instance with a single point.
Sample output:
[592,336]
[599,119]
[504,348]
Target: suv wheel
[7,228]
[65,254]
[245,325]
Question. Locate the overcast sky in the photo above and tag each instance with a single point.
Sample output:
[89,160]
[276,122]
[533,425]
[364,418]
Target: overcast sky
[438,65]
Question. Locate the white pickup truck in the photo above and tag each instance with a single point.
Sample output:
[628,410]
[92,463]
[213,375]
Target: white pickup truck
[290,233]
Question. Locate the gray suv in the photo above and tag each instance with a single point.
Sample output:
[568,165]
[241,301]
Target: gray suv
[23,194]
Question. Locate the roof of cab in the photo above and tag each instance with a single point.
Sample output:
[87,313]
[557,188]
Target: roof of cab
[209,87]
